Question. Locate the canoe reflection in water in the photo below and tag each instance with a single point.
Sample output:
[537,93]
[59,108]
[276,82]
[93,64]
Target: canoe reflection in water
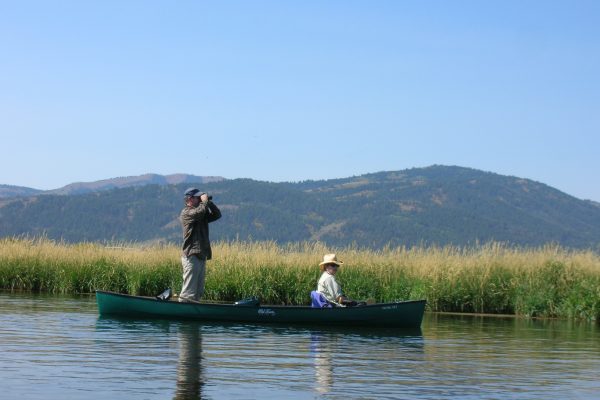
[190,378]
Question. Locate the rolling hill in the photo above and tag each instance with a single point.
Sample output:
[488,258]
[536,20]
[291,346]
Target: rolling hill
[436,205]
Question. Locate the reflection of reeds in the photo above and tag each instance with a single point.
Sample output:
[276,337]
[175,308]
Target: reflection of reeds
[489,278]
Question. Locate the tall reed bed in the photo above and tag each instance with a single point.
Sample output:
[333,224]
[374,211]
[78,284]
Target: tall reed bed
[47,266]
[549,281]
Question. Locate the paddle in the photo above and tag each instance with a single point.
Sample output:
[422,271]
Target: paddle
[354,303]
[367,302]
[248,302]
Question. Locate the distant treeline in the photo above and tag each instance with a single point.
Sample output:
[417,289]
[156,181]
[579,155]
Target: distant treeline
[424,206]
[548,281]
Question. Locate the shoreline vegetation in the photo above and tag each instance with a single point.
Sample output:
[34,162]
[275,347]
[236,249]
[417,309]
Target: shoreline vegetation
[491,278]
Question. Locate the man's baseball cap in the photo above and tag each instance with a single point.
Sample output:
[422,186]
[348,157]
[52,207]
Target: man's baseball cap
[193,192]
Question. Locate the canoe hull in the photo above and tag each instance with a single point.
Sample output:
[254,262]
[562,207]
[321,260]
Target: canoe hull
[406,314]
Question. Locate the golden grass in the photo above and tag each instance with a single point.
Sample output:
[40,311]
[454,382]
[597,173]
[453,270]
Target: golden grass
[487,278]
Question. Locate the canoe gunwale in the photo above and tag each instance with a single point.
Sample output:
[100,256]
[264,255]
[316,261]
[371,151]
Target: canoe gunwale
[208,303]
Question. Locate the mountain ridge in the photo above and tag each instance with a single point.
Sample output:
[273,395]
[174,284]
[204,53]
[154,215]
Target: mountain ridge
[435,205]
[108,184]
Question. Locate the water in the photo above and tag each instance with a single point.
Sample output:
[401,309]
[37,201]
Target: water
[57,347]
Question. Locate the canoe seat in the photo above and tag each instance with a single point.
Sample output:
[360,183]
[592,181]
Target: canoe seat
[318,300]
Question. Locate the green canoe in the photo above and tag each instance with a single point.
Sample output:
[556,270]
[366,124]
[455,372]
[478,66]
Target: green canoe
[405,314]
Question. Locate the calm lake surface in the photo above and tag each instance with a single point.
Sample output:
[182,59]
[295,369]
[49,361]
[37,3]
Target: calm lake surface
[56,347]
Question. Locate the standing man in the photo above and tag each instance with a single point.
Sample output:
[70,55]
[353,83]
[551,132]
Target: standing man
[199,210]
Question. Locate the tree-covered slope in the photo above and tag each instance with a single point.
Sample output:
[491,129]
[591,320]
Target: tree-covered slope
[434,205]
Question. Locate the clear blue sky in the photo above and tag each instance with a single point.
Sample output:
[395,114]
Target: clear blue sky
[296,90]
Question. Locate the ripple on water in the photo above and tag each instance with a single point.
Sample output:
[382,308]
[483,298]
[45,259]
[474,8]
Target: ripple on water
[57,347]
